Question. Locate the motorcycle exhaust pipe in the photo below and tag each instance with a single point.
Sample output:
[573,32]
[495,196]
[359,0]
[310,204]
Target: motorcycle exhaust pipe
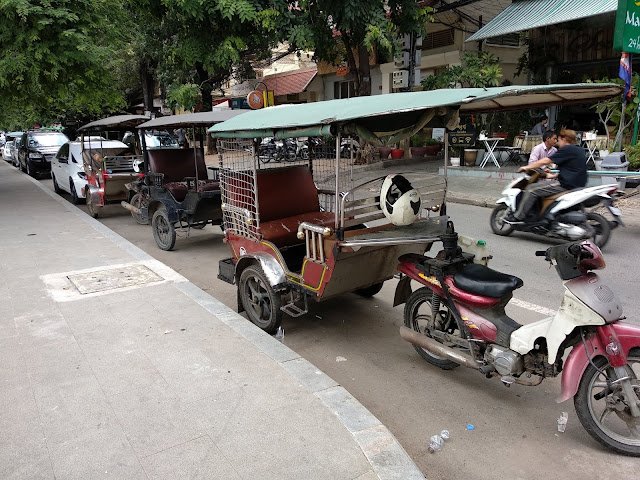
[130,207]
[437,348]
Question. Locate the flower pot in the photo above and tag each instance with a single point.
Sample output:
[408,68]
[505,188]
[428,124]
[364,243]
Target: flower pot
[433,150]
[384,152]
[397,153]
[418,152]
[470,155]
[455,161]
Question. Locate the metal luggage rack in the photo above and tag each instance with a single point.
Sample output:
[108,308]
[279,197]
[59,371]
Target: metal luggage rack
[120,163]
[422,231]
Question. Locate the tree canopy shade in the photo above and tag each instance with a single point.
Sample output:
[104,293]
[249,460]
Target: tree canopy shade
[353,30]
[59,57]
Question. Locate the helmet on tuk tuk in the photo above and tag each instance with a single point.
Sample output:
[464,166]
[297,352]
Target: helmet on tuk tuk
[400,202]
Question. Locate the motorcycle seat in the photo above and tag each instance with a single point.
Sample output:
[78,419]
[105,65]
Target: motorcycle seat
[481,280]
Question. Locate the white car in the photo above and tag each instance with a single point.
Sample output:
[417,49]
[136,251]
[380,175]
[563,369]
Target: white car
[67,168]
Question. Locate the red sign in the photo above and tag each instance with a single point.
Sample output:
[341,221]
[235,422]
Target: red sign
[342,71]
[255,99]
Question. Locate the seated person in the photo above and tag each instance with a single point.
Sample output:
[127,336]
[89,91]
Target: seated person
[546,148]
[540,127]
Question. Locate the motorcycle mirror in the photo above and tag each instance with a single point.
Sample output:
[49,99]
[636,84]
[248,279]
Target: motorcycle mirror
[541,253]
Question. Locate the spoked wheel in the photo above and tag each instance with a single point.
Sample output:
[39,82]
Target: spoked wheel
[290,155]
[138,201]
[497,223]
[604,411]
[370,291]
[418,317]
[601,228]
[164,233]
[91,207]
[259,300]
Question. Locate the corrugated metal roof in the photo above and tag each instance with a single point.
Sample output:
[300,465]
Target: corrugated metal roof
[528,14]
[205,119]
[117,121]
[286,83]
[373,111]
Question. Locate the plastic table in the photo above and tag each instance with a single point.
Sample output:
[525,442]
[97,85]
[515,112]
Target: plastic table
[490,144]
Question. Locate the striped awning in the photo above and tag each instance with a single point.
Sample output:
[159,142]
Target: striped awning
[528,14]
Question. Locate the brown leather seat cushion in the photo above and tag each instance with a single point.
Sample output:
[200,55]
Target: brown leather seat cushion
[286,192]
[177,163]
[283,232]
[179,189]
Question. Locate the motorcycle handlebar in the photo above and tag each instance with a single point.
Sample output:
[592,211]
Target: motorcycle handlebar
[541,253]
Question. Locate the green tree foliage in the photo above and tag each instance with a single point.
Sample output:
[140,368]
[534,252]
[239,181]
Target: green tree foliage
[206,42]
[477,70]
[352,31]
[610,112]
[59,58]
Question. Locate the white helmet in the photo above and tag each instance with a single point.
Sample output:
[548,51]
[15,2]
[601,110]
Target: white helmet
[400,202]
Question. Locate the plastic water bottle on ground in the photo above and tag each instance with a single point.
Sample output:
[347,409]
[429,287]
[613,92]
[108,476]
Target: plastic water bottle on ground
[279,334]
[435,443]
[562,422]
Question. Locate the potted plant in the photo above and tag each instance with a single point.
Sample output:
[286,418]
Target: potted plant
[397,153]
[384,152]
[432,146]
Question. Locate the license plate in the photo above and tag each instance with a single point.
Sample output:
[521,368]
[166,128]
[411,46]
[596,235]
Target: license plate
[615,211]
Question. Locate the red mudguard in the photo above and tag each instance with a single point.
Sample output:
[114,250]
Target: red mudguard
[626,334]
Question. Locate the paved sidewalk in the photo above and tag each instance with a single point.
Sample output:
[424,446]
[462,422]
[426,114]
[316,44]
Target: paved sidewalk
[114,366]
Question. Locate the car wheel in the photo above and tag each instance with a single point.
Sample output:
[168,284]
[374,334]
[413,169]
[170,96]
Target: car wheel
[29,172]
[74,194]
[56,187]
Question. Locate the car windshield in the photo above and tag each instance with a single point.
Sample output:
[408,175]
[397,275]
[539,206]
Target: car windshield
[47,140]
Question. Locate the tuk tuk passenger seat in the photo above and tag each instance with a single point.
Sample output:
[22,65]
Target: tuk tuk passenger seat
[178,164]
[286,198]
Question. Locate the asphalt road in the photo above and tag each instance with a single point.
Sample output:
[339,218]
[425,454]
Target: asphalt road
[356,342]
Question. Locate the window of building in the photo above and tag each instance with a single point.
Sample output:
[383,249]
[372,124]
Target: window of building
[344,89]
[508,40]
[439,39]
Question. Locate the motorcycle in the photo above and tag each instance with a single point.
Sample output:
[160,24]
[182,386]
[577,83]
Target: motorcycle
[458,318]
[559,216]
[277,150]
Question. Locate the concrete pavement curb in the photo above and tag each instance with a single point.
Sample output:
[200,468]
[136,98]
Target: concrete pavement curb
[386,456]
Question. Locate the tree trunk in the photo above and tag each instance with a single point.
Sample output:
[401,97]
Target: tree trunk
[205,87]
[148,84]
[364,72]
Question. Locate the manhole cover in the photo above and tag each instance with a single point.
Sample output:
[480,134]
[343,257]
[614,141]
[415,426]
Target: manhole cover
[110,279]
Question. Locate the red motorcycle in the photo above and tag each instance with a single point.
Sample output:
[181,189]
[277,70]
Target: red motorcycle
[458,318]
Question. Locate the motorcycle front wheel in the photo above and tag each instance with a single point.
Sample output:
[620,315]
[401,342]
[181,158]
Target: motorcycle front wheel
[601,228]
[418,317]
[604,411]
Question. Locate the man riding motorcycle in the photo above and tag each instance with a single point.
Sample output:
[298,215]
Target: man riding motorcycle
[572,164]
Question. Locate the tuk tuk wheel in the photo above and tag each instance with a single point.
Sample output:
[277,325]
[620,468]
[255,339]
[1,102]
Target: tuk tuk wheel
[164,233]
[137,201]
[259,300]
[92,208]
[370,291]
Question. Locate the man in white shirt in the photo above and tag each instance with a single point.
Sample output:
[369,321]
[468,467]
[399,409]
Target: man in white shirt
[546,148]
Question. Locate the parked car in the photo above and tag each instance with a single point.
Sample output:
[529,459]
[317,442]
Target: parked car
[67,166]
[37,149]
[154,140]
[9,149]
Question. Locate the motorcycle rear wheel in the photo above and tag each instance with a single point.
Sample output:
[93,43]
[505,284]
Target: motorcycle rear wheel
[496,220]
[601,227]
[417,319]
[622,432]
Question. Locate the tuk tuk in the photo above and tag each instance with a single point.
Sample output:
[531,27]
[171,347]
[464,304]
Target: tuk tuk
[176,190]
[108,171]
[305,230]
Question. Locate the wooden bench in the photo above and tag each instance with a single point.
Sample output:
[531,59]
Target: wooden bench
[178,164]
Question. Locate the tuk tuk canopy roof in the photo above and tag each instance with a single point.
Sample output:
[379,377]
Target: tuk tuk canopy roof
[120,122]
[390,117]
[203,119]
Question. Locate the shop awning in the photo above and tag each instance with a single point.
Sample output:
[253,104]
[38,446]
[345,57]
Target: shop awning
[528,14]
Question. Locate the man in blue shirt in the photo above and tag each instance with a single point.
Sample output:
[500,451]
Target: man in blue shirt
[572,166]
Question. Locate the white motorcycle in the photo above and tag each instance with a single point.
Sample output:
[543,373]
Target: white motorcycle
[560,216]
